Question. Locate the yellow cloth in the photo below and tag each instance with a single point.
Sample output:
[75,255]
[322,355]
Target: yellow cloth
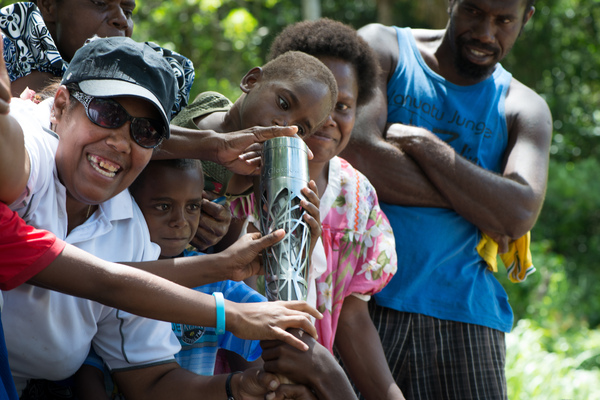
[517,260]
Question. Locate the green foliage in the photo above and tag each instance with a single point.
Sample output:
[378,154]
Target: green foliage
[565,249]
[543,365]
[570,221]
[221,37]
[558,56]
[226,38]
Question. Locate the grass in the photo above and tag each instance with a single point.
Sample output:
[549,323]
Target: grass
[542,364]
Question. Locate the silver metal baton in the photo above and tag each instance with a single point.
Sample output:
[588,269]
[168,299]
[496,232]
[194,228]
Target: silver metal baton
[284,174]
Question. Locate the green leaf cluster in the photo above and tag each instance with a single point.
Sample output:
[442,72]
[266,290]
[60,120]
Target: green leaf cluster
[558,56]
[223,38]
[536,371]
[565,248]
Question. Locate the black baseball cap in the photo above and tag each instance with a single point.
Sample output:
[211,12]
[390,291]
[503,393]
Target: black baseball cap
[120,66]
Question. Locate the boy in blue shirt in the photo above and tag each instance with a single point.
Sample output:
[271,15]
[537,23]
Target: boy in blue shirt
[169,193]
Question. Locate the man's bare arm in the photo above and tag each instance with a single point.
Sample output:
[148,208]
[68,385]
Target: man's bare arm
[507,203]
[424,171]
[363,354]
[396,177]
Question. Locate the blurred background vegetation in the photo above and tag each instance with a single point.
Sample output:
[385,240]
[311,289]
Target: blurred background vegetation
[554,349]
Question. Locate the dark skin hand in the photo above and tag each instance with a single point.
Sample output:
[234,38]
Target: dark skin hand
[502,240]
[312,216]
[315,368]
[291,392]
[234,150]
[214,222]
[254,267]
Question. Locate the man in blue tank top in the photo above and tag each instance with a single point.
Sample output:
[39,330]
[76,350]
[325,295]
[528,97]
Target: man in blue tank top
[455,147]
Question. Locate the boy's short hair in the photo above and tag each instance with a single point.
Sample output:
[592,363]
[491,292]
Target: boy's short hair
[328,38]
[182,164]
[294,65]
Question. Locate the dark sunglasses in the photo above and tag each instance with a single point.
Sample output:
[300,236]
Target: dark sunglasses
[107,113]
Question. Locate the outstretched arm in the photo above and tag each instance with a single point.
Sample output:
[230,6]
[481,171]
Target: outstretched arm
[78,273]
[315,368]
[14,161]
[237,262]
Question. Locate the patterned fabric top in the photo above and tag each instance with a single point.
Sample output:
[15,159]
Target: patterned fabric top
[27,42]
[358,240]
[28,46]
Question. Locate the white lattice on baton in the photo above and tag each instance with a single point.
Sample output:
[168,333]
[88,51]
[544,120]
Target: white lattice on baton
[286,262]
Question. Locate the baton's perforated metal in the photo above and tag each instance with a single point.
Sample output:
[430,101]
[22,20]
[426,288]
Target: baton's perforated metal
[284,174]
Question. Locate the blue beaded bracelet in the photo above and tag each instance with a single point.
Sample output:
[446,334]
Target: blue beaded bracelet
[220,303]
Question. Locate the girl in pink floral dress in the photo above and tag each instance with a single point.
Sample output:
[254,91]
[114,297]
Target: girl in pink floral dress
[357,239]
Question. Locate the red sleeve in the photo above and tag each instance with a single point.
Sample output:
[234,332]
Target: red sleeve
[24,250]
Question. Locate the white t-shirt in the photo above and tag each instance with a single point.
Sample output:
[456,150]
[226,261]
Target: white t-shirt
[48,334]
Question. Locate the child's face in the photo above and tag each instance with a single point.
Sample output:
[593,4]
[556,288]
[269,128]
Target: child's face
[285,103]
[170,200]
[334,135]
[95,163]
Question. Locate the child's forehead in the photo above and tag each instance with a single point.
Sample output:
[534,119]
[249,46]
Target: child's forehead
[158,167]
[183,176]
[301,85]
[171,178]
